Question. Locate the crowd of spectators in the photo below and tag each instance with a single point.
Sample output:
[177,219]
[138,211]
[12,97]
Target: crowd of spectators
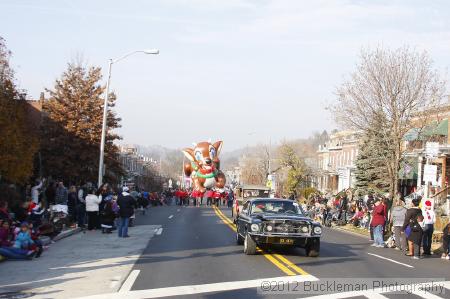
[406,226]
[49,207]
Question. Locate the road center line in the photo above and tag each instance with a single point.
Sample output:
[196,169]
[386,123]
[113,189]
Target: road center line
[203,288]
[170,216]
[126,286]
[279,261]
[391,260]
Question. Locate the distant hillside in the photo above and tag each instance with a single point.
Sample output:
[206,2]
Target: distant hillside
[172,159]
[155,151]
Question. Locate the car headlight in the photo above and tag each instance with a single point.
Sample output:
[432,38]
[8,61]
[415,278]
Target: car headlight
[269,228]
[305,229]
[254,227]
[317,230]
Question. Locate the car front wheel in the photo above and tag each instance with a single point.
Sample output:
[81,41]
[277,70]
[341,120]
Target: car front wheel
[312,248]
[249,245]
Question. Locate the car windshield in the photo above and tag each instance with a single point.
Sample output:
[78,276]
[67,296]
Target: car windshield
[276,207]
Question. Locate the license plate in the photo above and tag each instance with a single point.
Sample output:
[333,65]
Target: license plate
[286,241]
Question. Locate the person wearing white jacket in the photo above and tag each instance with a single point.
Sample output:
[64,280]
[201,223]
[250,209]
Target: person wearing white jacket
[92,208]
[429,218]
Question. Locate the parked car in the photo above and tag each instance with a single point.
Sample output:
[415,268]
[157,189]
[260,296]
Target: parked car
[243,193]
[265,222]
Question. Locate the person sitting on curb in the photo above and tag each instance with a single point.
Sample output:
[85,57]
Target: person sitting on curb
[365,220]
[6,235]
[35,233]
[22,248]
[357,217]
[23,238]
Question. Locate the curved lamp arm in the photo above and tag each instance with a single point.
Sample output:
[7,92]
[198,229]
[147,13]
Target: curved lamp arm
[150,51]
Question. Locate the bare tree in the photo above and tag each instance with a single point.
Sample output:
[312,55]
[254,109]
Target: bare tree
[395,87]
[255,165]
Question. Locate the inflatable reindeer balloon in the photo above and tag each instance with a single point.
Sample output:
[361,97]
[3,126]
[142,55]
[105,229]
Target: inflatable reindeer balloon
[204,166]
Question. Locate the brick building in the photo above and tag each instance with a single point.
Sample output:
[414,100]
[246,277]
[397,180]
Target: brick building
[336,162]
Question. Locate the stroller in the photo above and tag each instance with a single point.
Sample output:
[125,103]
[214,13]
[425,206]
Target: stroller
[54,220]
[332,218]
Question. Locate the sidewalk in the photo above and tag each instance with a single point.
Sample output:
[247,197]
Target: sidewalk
[435,247]
[351,228]
[84,264]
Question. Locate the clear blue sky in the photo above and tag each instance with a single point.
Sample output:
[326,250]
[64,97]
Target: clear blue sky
[226,68]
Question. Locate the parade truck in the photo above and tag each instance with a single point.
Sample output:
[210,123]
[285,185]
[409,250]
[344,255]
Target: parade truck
[243,193]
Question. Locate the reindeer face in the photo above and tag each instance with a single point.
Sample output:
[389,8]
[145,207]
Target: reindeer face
[204,155]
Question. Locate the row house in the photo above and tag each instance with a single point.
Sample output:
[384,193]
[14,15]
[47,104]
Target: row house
[136,164]
[336,162]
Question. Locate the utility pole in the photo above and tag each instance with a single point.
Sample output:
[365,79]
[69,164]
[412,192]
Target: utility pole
[270,148]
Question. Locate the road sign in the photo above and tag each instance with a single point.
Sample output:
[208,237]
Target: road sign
[432,149]
[430,173]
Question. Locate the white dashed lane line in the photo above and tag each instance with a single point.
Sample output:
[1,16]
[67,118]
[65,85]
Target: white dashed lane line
[170,216]
[388,259]
[159,231]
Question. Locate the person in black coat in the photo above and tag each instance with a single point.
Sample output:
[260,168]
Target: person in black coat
[72,200]
[412,219]
[107,216]
[126,205]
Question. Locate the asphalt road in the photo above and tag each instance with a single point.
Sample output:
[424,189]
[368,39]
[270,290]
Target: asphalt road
[195,256]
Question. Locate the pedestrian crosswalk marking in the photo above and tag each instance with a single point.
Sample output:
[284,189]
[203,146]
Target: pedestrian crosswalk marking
[201,288]
[126,286]
[378,293]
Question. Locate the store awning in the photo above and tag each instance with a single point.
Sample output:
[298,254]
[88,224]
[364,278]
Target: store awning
[441,129]
[433,129]
[412,134]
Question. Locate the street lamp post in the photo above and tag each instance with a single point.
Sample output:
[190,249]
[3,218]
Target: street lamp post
[105,110]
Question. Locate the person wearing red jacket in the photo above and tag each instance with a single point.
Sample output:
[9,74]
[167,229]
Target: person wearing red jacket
[378,221]
[209,197]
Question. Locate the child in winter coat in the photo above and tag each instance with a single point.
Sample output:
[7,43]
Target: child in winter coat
[23,239]
[35,233]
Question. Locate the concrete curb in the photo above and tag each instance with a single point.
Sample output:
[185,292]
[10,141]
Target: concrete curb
[351,232]
[435,249]
[122,280]
[66,233]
